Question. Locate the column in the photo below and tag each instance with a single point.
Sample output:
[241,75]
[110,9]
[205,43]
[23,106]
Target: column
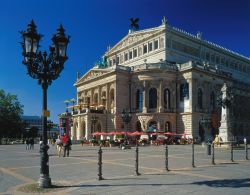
[99,95]
[78,131]
[190,85]
[107,97]
[160,107]
[144,108]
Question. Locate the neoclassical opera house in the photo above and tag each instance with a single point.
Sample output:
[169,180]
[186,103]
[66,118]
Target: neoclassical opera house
[168,80]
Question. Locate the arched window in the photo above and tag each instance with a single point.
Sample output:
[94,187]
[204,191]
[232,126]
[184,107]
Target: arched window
[166,98]
[152,98]
[199,98]
[139,98]
[138,126]
[212,101]
[167,127]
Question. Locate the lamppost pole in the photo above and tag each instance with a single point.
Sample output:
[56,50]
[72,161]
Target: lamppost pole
[126,117]
[45,69]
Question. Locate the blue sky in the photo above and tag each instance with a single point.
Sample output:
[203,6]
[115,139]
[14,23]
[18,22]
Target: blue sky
[95,24]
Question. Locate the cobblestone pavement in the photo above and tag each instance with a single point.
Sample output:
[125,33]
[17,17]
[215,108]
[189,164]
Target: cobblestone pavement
[77,174]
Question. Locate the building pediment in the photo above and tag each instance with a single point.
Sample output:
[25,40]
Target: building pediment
[134,37]
[91,74]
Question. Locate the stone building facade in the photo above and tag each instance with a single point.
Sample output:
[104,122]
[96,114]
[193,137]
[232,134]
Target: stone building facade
[169,80]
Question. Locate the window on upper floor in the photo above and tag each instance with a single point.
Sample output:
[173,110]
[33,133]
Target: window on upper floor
[184,91]
[145,48]
[135,53]
[139,51]
[126,57]
[114,61]
[162,42]
[156,44]
[217,59]
[118,59]
[121,58]
[139,100]
[110,62]
[152,98]
[207,56]
[150,47]
[130,55]
[212,58]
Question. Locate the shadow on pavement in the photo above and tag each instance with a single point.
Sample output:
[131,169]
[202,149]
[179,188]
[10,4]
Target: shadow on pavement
[232,183]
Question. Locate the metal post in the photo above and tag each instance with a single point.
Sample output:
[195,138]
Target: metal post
[232,154]
[136,160]
[213,163]
[246,150]
[100,164]
[193,155]
[166,155]
[44,180]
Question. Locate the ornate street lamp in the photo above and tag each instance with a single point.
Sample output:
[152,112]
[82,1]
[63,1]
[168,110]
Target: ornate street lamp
[45,68]
[67,105]
[73,103]
[93,121]
[126,117]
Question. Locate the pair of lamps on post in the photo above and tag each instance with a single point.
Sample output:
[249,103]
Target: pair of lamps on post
[73,101]
[45,68]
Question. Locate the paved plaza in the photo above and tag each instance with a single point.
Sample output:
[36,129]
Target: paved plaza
[77,174]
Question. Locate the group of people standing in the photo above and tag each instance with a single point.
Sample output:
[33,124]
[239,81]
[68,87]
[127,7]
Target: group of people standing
[29,143]
[63,143]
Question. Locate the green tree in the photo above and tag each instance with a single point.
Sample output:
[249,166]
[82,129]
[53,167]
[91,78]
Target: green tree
[11,110]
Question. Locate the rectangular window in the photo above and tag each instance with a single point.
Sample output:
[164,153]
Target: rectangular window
[156,44]
[208,56]
[126,57]
[150,47]
[121,59]
[130,55]
[145,49]
[118,60]
[217,59]
[110,62]
[212,58]
[140,51]
[114,61]
[135,53]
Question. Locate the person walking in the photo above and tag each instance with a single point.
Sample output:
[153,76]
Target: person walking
[66,145]
[59,145]
[32,144]
[27,143]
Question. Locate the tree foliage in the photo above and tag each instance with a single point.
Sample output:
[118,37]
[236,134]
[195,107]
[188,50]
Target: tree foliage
[11,110]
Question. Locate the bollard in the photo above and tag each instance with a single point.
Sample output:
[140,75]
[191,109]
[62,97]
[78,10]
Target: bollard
[232,153]
[193,155]
[213,163]
[246,151]
[100,164]
[136,160]
[166,155]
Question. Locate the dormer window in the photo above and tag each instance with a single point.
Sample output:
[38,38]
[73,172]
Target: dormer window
[145,49]
[130,55]
[135,53]
[126,57]
[150,47]
[156,44]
